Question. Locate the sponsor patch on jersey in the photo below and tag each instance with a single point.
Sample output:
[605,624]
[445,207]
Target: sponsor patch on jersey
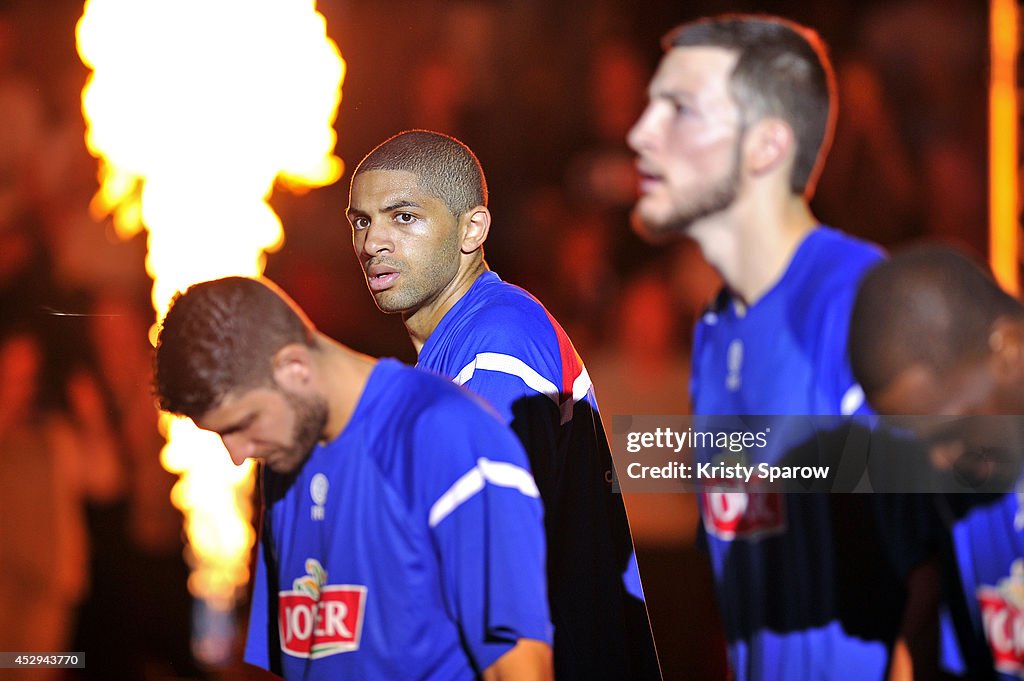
[732,510]
[1002,616]
[316,619]
[743,515]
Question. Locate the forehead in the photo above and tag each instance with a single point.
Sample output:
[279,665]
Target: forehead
[695,71]
[918,390]
[915,390]
[379,188]
[234,408]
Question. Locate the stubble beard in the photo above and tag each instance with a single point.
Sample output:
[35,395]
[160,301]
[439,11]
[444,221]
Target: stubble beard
[310,421]
[709,202]
[712,201]
[418,289]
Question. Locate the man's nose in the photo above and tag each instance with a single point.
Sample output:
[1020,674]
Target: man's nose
[239,448]
[377,239]
[638,134]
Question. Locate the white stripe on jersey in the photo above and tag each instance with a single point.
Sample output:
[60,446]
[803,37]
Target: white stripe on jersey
[469,485]
[513,366]
[507,364]
[852,400]
[580,387]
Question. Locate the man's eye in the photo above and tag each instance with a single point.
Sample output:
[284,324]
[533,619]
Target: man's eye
[677,106]
[359,223]
[682,109]
[405,218]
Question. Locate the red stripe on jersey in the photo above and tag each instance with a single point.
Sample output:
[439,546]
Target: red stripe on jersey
[572,364]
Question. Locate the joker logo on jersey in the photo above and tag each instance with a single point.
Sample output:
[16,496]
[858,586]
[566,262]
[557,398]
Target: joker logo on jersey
[1002,615]
[743,515]
[316,619]
[731,515]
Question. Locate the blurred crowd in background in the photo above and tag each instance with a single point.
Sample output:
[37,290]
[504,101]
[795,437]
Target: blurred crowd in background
[544,93]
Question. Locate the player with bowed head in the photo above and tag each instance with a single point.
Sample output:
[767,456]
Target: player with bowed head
[402,530]
[939,349]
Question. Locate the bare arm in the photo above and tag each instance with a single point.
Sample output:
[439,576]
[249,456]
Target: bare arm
[917,650]
[529,660]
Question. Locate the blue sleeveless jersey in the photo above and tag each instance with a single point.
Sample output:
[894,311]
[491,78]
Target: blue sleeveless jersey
[410,547]
[502,344]
[804,586]
[988,542]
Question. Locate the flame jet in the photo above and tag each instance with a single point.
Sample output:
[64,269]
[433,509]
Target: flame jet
[196,110]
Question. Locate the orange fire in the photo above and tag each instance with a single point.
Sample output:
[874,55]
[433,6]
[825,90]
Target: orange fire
[1003,144]
[195,110]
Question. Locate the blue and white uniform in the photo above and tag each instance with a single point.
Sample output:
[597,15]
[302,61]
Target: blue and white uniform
[805,588]
[988,547]
[409,547]
[502,344]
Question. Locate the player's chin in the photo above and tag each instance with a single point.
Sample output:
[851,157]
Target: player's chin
[280,467]
[388,303]
[651,225]
[287,463]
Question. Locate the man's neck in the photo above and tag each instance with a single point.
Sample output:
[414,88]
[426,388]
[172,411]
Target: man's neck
[752,245]
[345,374]
[420,324]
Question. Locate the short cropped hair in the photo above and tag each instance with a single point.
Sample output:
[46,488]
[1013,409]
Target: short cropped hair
[220,337]
[446,168]
[782,70]
[931,306]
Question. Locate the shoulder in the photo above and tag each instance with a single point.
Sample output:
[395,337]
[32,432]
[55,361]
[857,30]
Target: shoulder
[431,409]
[833,260]
[506,313]
[499,322]
[423,397]
[423,432]
[827,271]
[821,300]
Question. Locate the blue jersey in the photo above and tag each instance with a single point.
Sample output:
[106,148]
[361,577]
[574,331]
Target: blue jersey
[988,542]
[631,578]
[804,586]
[410,547]
[502,344]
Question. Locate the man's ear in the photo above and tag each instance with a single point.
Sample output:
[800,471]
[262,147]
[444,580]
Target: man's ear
[1006,340]
[768,144]
[475,224]
[293,366]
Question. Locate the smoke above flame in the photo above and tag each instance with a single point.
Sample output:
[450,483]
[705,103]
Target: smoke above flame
[197,110]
